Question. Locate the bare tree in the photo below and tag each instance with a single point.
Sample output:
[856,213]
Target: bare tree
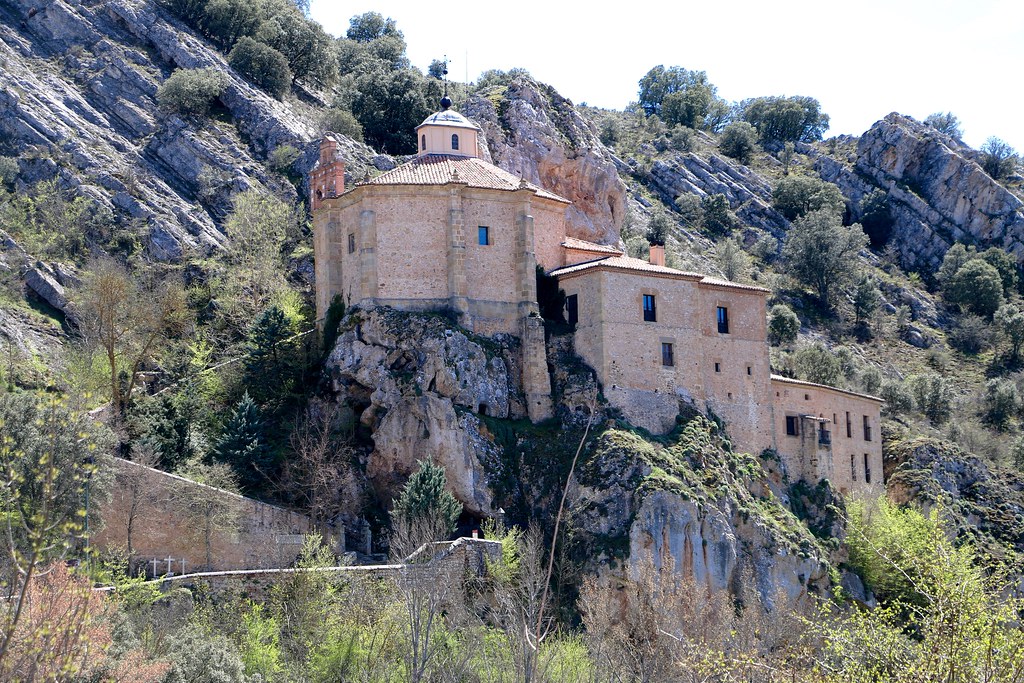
[210,503]
[425,589]
[136,491]
[320,478]
[127,319]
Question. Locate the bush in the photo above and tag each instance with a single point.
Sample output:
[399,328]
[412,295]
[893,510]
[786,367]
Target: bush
[340,120]
[8,170]
[976,287]
[1005,264]
[972,334]
[658,228]
[998,159]
[945,123]
[815,363]
[783,325]
[715,209]
[261,64]
[781,119]
[897,396]
[821,253]
[739,141]
[933,396]
[796,196]
[1010,320]
[282,158]
[1000,402]
[190,92]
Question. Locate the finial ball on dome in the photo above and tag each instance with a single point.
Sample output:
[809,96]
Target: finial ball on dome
[446,103]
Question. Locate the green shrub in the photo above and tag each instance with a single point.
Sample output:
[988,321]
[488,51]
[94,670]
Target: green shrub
[340,120]
[190,92]
[897,396]
[783,325]
[821,253]
[715,209]
[976,287]
[261,64]
[739,141]
[972,334]
[1000,402]
[282,158]
[796,196]
[815,363]
[933,396]
[8,170]
[998,159]
[780,119]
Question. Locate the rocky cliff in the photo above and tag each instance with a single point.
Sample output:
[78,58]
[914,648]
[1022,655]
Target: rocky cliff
[424,388]
[532,131]
[77,90]
[938,194]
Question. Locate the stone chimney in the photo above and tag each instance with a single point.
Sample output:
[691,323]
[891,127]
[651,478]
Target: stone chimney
[657,257]
[327,179]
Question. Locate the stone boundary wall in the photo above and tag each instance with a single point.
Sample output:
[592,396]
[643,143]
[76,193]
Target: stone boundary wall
[196,526]
[463,556]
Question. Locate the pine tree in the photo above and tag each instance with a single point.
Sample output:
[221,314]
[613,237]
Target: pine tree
[426,496]
[269,367]
[241,444]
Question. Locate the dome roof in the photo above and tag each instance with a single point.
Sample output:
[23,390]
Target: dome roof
[448,118]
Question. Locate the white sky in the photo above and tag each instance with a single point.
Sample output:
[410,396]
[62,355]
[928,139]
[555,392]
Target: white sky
[860,60]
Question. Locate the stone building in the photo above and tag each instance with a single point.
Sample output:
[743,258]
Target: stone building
[450,231]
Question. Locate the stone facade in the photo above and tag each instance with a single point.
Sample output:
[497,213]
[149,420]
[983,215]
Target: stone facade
[445,231]
[658,336]
[166,515]
[449,231]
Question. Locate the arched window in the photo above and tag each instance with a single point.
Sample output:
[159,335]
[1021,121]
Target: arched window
[455,141]
[423,142]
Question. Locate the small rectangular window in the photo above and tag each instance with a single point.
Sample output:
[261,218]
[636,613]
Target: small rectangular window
[483,234]
[650,309]
[718,367]
[853,468]
[792,425]
[750,371]
[723,320]
[572,309]
[834,422]
[867,470]
[849,427]
[351,243]
[867,428]
[667,359]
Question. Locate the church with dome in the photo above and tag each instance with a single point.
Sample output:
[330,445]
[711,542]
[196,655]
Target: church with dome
[449,231]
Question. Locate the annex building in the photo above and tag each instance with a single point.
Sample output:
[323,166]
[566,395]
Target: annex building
[450,231]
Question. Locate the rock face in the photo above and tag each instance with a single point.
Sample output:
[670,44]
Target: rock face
[749,194]
[418,382]
[988,504]
[532,131]
[78,91]
[938,194]
[670,505]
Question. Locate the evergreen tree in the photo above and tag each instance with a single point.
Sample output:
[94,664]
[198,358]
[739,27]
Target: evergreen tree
[270,367]
[866,299]
[426,497]
[821,253]
[242,446]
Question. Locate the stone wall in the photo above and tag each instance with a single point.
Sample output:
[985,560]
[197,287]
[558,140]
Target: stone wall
[848,459]
[168,514]
[416,247]
[626,351]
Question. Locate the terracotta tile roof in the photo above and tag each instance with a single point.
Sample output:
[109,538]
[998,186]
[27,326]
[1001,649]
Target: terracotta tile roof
[628,263]
[583,245]
[437,169]
[802,383]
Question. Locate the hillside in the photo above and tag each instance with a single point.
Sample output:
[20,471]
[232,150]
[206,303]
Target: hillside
[156,268]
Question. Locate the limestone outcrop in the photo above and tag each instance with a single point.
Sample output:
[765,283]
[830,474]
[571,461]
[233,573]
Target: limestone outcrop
[534,132]
[986,504]
[78,90]
[681,506]
[418,383]
[938,194]
[749,194]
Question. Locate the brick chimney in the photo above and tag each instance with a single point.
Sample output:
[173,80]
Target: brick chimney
[327,179]
[657,257]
